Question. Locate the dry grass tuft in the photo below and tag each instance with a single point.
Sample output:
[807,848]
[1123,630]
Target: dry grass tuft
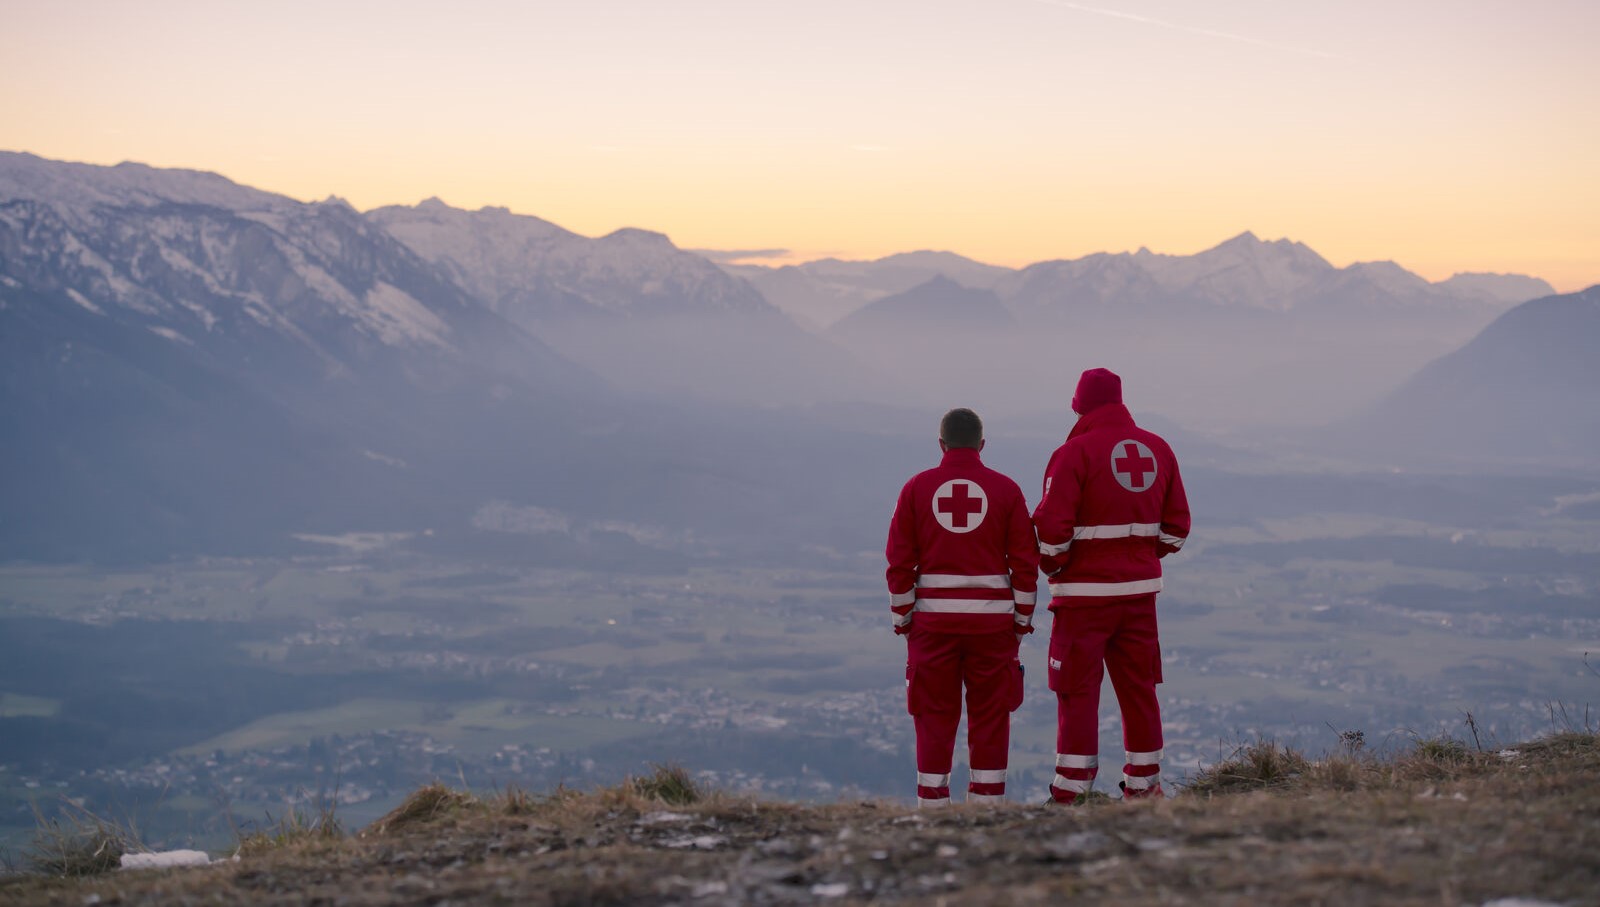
[1567,743]
[669,784]
[1259,765]
[293,828]
[77,843]
[1342,772]
[514,801]
[425,805]
[1437,759]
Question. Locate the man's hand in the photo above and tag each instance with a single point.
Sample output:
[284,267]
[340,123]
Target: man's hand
[902,629]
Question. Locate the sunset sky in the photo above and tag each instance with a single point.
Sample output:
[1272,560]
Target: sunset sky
[1448,136]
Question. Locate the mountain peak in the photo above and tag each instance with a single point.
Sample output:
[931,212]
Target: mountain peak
[433,203]
[1500,288]
[637,237]
[927,258]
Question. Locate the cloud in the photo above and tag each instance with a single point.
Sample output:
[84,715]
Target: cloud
[1190,29]
[727,256]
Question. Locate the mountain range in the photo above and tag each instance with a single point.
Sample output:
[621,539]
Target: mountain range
[1244,271]
[1248,332]
[629,306]
[187,364]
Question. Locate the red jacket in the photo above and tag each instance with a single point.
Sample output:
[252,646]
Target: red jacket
[1113,506]
[961,550]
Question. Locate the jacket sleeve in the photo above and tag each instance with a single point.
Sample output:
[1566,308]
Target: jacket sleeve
[1057,512]
[901,552]
[1022,560]
[1174,516]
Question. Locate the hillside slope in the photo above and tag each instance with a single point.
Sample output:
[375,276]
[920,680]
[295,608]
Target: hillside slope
[1442,824]
[1523,389]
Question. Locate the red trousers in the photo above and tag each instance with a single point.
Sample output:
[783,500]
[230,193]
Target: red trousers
[1087,640]
[938,666]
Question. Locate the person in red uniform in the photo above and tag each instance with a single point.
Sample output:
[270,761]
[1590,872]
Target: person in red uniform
[1113,506]
[963,573]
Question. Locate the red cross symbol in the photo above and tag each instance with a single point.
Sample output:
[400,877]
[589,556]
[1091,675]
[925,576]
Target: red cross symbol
[1132,466]
[960,506]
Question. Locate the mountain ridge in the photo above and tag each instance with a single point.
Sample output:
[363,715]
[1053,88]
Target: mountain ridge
[1522,389]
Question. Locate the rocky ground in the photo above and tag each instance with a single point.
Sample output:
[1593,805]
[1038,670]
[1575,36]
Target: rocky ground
[1442,824]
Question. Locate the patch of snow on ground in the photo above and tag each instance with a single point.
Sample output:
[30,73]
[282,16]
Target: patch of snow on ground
[165,859]
[664,818]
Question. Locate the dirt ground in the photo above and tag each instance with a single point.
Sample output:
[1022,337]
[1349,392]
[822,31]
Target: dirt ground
[1450,828]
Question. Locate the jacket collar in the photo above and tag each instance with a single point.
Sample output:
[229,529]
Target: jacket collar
[1109,415]
[961,456]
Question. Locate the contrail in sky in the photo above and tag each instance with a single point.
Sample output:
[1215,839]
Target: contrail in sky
[1206,32]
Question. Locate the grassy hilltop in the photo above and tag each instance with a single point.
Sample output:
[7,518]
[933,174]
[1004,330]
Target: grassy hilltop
[1442,823]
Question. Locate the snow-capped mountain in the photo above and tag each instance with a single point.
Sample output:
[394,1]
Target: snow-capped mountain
[224,269]
[529,269]
[188,365]
[630,306]
[187,358]
[1246,272]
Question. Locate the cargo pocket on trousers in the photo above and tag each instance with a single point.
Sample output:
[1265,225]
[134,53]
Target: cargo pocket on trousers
[1071,670]
[1017,689]
[913,691]
[1155,669]
[1052,671]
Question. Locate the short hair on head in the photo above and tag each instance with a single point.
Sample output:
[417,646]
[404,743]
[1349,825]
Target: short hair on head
[961,427]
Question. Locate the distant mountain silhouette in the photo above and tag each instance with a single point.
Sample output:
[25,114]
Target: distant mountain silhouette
[819,293]
[939,304]
[1242,273]
[1524,389]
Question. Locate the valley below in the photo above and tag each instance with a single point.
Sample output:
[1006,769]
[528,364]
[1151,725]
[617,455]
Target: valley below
[197,698]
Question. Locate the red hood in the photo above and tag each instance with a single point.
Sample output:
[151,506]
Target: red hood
[1109,414]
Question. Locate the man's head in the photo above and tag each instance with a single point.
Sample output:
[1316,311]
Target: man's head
[1096,388]
[961,428]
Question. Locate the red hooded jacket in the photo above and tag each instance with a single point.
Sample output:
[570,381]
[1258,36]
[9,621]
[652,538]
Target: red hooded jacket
[1113,506]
